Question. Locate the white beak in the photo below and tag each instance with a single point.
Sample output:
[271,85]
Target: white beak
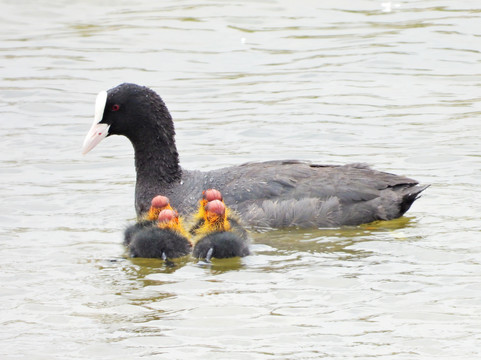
[97,131]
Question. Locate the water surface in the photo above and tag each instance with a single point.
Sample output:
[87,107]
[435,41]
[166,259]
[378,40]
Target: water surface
[393,84]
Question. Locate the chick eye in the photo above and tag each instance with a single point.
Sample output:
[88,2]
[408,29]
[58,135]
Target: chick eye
[115,107]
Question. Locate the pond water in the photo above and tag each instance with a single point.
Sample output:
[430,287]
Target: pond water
[391,83]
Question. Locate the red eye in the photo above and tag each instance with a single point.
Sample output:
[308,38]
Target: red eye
[115,107]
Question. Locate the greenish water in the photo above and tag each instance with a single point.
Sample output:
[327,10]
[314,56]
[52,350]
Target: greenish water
[393,84]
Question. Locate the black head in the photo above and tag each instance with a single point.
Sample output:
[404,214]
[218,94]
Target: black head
[130,110]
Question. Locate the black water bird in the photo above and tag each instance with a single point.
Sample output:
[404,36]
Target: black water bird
[149,219]
[272,193]
[217,238]
[166,240]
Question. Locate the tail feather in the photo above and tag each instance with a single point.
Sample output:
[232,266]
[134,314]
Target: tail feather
[411,195]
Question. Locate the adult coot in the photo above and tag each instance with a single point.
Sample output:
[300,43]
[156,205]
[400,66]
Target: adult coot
[272,193]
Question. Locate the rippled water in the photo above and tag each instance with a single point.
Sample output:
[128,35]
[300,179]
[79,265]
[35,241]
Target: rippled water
[394,84]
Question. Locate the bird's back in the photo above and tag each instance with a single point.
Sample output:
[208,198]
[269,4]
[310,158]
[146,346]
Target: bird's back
[295,193]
